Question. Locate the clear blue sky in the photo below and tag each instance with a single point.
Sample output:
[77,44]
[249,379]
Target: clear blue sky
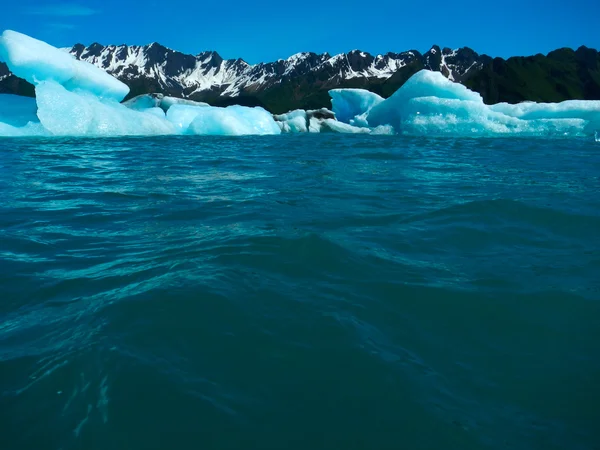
[267,30]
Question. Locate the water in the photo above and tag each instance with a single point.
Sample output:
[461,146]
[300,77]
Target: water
[299,292]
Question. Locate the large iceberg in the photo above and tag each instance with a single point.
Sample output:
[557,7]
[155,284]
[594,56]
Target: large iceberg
[429,103]
[75,98]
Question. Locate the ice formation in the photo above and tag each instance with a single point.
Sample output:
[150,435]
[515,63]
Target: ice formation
[36,61]
[429,103]
[74,98]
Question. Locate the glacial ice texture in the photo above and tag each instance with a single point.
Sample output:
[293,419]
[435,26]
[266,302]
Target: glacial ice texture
[232,121]
[37,61]
[65,113]
[429,103]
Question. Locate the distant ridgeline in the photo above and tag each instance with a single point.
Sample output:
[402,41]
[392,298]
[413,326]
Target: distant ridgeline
[304,79]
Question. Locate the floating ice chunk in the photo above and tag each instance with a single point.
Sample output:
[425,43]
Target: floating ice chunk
[348,104]
[65,113]
[432,115]
[428,103]
[16,110]
[582,109]
[37,61]
[587,110]
[231,121]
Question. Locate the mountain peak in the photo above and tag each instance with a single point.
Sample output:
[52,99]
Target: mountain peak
[207,75]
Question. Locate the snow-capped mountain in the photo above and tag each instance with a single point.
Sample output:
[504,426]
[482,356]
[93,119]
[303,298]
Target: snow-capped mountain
[206,76]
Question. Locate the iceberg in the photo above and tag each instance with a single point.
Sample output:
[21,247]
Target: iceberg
[37,61]
[428,103]
[586,110]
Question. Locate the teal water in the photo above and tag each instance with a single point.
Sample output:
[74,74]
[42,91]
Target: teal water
[299,292]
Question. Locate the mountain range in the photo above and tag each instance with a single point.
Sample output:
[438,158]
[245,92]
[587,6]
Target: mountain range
[303,80]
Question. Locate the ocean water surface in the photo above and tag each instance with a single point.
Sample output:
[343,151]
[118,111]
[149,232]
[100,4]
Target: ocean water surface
[299,292]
